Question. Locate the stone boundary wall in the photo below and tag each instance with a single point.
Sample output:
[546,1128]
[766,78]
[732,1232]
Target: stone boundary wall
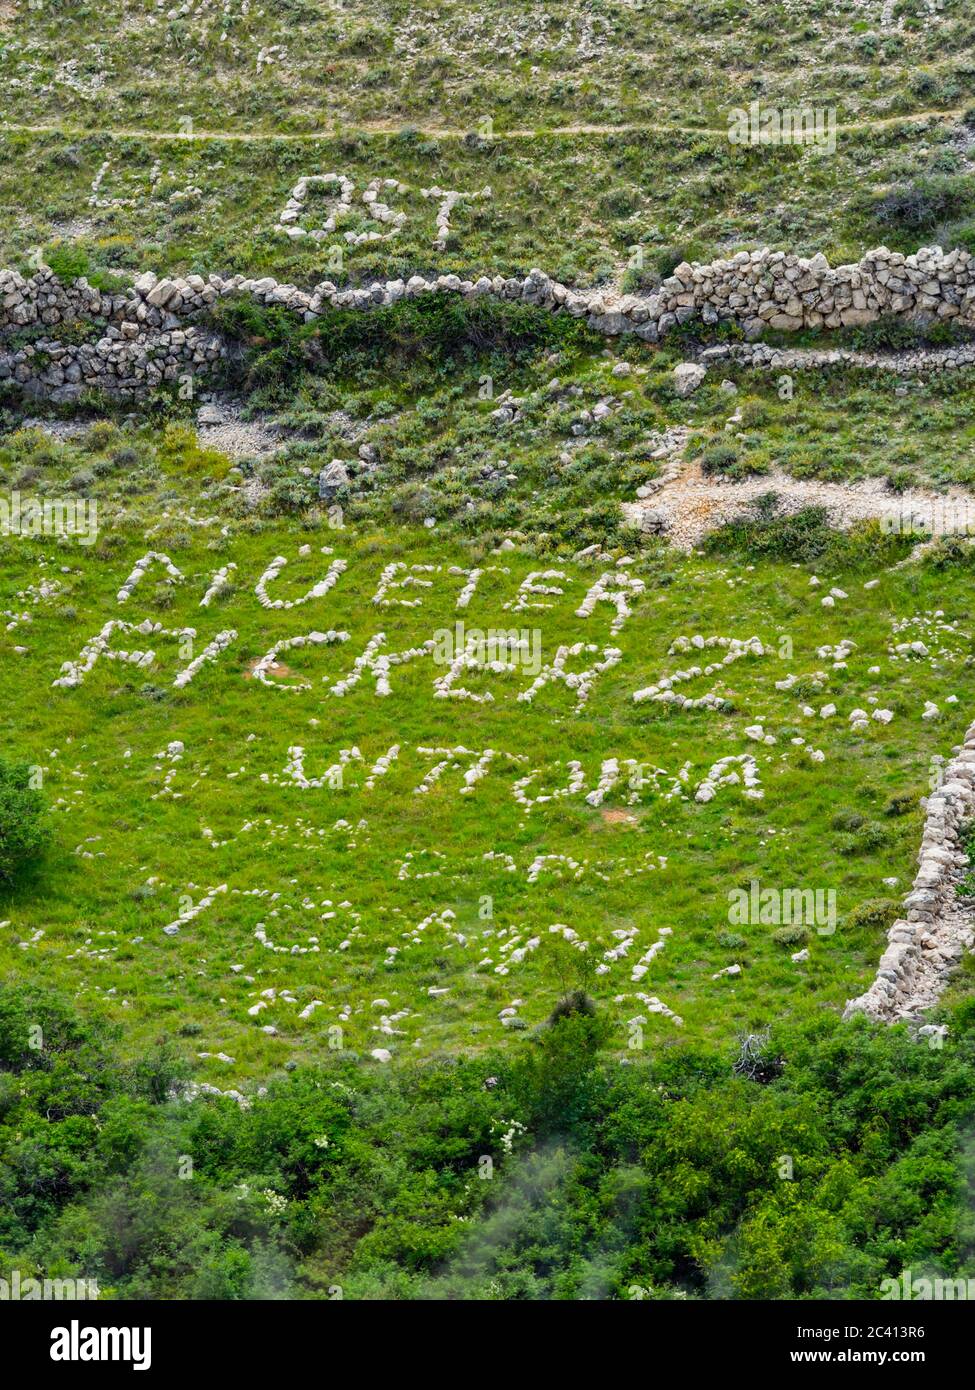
[910,362]
[150,338]
[923,947]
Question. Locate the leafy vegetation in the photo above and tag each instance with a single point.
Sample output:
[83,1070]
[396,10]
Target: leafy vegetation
[23,832]
[546,1175]
[804,536]
[440,333]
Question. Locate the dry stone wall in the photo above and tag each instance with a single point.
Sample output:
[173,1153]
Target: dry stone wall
[924,946]
[150,336]
[915,361]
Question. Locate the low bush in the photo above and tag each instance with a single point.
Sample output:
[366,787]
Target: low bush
[790,936]
[718,458]
[921,205]
[23,829]
[875,913]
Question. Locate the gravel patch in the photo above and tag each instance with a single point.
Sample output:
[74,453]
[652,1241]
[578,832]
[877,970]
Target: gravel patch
[222,426]
[689,505]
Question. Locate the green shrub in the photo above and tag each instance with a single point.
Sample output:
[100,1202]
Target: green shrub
[801,537]
[948,551]
[797,536]
[666,260]
[868,838]
[893,333]
[876,913]
[790,936]
[718,458]
[576,1002]
[920,206]
[636,281]
[23,831]
[900,480]
[666,1171]
[68,262]
[960,236]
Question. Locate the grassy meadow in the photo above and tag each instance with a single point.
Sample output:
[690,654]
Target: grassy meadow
[416,897]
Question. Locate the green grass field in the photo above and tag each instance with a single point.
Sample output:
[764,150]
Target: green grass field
[417,897]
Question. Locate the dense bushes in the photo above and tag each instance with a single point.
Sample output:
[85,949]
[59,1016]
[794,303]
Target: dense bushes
[921,205]
[439,330]
[767,532]
[892,334]
[718,458]
[23,832]
[550,1171]
[801,536]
